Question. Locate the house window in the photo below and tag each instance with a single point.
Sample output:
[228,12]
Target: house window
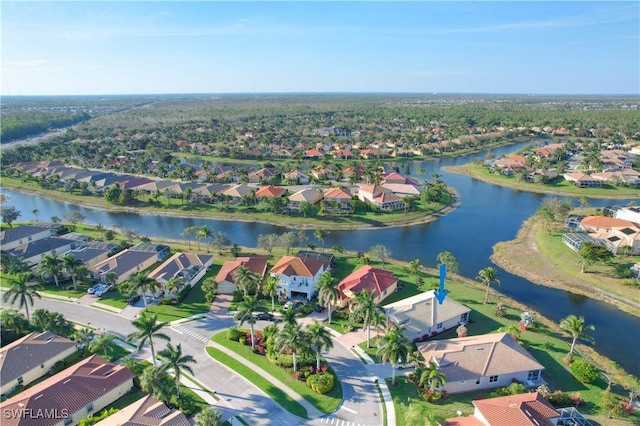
[439,326]
[533,375]
[493,379]
[41,365]
[20,381]
[29,239]
[464,317]
[90,407]
[477,381]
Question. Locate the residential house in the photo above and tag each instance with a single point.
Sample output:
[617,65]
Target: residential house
[188,267]
[261,176]
[526,409]
[298,277]
[207,193]
[33,252]
[340,197]
[509,165]
[237,192]
[124,264]
[547,151]
[162,250]
[376,281]
[147,411]
[31,357]
[313,154]
[402,190]
[308,195]
[421,316]
[11,238]
[615,234]
[82,389]
[482,362]
[397,178]
[89,256]
[370,153]
[296,177]
[226,276]
[270,191]
[625,177]
[342,154]
[630,213]
[380,196]
[583,180]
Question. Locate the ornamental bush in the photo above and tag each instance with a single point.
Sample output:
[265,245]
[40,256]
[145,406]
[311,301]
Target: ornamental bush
[321,383]
[584,371]
[234,334]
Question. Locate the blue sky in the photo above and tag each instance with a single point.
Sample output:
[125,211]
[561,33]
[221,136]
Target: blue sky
[69,48]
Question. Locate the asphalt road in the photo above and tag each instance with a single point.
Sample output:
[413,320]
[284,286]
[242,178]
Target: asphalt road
[361,405]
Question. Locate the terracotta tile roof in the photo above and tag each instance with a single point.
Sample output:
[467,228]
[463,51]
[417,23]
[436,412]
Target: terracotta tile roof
[592,222]
[291,265]
[471,357]
[464,421]
[337,193]
[522,410]
[72,389]
[270,191]
[146,411]
[310,195]
[373,280]
[30,352]
[257,265]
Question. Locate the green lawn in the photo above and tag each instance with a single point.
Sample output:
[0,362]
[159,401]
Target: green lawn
[326,403]
[113,298]
[281,398]
[193,304]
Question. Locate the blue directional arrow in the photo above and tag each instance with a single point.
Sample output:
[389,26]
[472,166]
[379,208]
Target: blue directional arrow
[441,293]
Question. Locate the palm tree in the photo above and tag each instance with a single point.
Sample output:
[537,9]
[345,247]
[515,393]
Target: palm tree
[35,213]
[291,338]
[363,307]
[173,285]
[156,381]
[320,234]
[111,278]
[432,377]
[487,276]
[22,291]
[246,308]
[148,328]
[141,283]
[204,232]
[270,289]
[246,280]
[210,417]
[50,265]
[393,347]
[102,342]
[83,336]
[176,361]
[414,266]
[71,265]
[319,337]
[328,294]
[574,326]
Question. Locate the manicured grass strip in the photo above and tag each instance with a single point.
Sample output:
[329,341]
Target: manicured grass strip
[281,398]
[326,403]
[193,304]
[113,298]
[384,406]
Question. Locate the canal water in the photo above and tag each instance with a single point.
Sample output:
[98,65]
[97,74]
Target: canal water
[487,214]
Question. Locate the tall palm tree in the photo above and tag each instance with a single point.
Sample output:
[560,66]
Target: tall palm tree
[70,264]
[22,291]
[574,326]
[203,232]
[246,308]
[488,276]
[104,342]
[270,289]
[35,213]
[173,285]
[148,328]
[328,293]
[50,265]
[293,339]
[157,382]
[320,234]
[246,280]
[393,347]
[176,361]
[363,307]
[319,338]
[141,283]
[432,377]
[83,337]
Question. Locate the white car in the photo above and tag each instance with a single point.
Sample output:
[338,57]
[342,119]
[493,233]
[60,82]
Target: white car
[102,290]
[93,288]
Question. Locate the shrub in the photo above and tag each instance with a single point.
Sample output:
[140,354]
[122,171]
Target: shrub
[544,391]
[234,334]
[560,399]
[186,404]
[166,300]
[321,383]
[433,396]
[183,293]
[242,340]
[584,371]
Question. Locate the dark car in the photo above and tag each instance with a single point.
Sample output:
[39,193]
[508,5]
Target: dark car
[264,316]
[133,299]
[319,308]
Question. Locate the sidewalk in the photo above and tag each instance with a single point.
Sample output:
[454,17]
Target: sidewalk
[311,410]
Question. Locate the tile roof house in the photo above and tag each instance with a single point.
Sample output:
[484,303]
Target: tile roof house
[32,252]
[270,191]
[527,409]
[124,264]
[378,282]
[259,176]
[308,195]
[147,411]
[313,154]
[237,192]
[297,177]
[82,389]
[380,196]
[395,177]
[341,196]
[630,213]
[298,277]
[482,362]
[189,267]
[421,315]
[613,233]
[226,276]
[13,237]
[31,357]
[582,180]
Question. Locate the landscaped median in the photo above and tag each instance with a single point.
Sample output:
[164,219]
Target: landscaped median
[325,403]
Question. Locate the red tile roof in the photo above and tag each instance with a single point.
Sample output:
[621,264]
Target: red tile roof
[291,265]
[373,280]
[337,193]
[257,265]
[522,410]
[270,191]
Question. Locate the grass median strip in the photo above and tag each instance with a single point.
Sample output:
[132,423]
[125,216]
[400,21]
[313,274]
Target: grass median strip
[284,400]
[326,403]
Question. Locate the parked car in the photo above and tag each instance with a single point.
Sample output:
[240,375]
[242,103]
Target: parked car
[102,290]
[93,288]
[133,299]
[319,308]
[287,306]
[264,316]
[403,365]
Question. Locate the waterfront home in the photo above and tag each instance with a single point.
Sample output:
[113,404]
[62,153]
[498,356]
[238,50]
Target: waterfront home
[308,195]
[583,180]
[527,409]
[82,389]
[298,277]
[237,192]
[397,178]
[482,362]
[89,256]
[421,316]
[376,281]
[625,177]
[124,264]
[11,238]
[147,411]
[630,213]
[226,277]
[615,234]
[188,267]
[31,357]
[341,197]
[380,197]
[162,250]
[32,252]
[270,191]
